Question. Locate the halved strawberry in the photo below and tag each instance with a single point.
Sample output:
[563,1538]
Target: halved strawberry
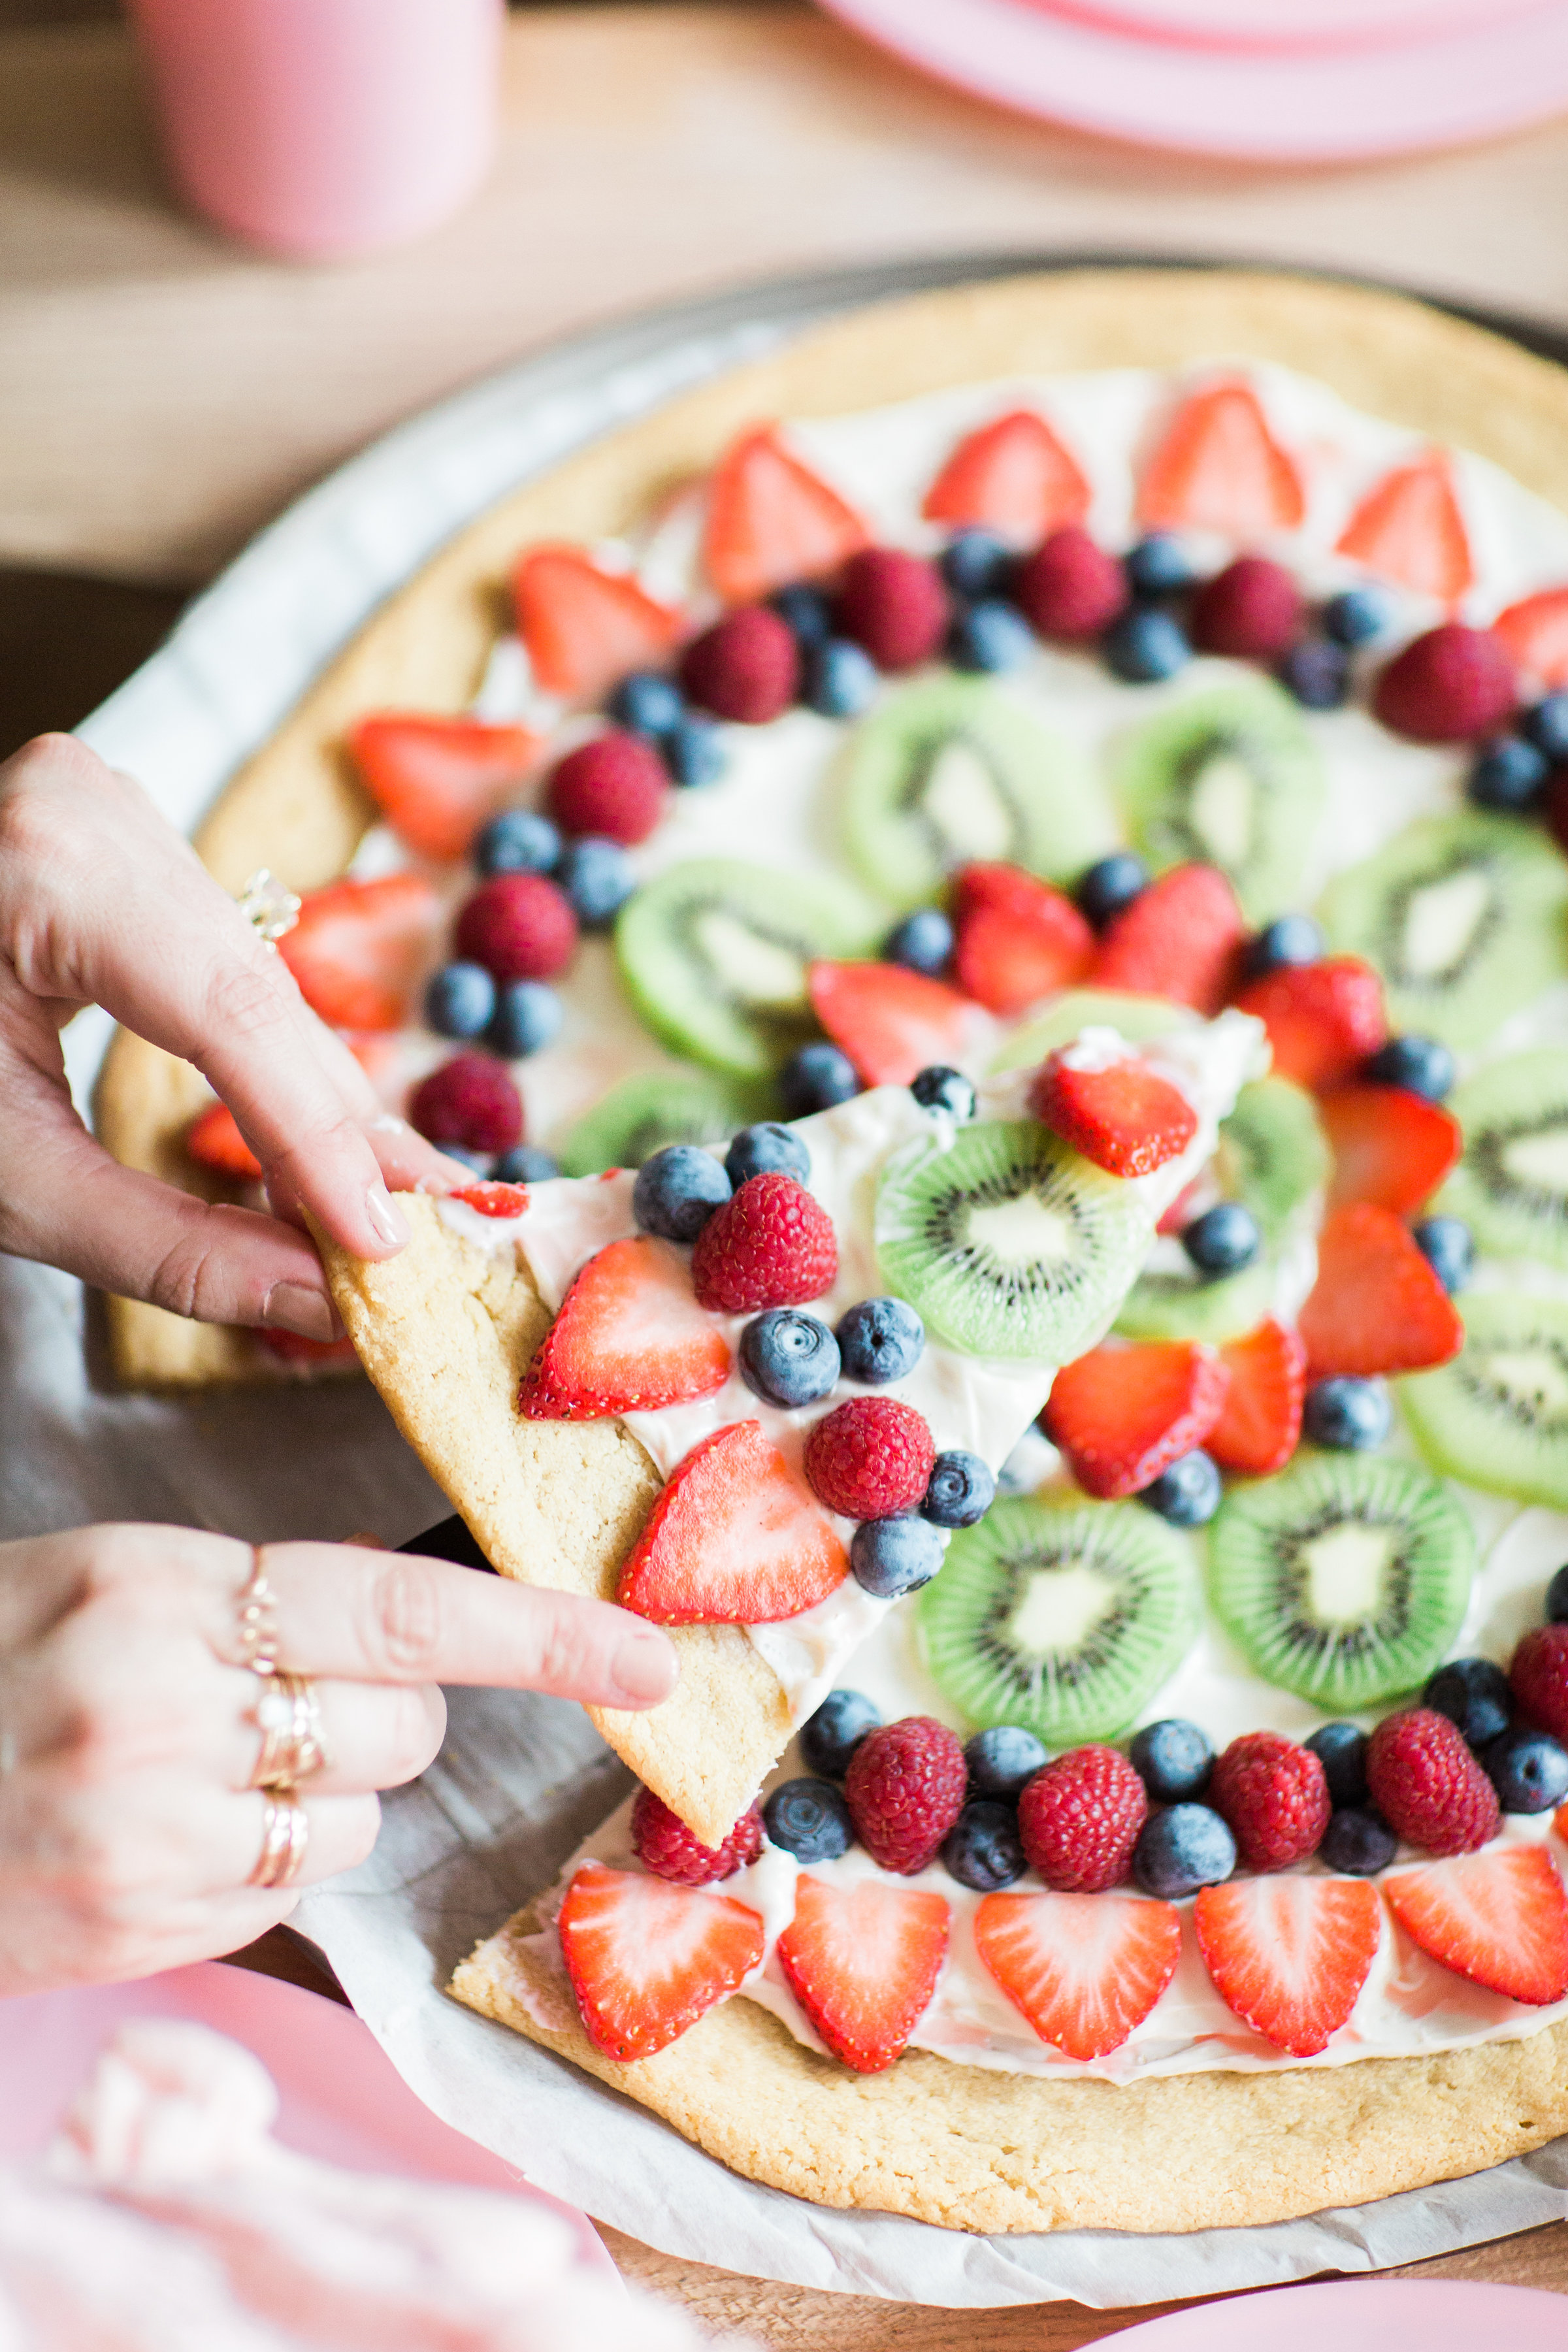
[1376,1306]
[1084,1968]
[1218,467]
[1534,636]
[629,1337]
[321,1355]
[1389,1145]
[1408,529]
[863,1961]
[437,780]
[647,1957]
[734,1539]
[214,1139]
[1016,938]
[893,1023]
[1260,1419]
[1179,939]
[1290,1953]
[1500,1919]
[770,520]
[1013,477]
[359,949]
[1323,1018]
[1126,1118]
[585,627]
[1121,1414]
[494,1200]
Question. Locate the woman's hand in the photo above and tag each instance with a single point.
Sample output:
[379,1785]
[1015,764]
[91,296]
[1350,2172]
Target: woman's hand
[128,1740]
[101,902]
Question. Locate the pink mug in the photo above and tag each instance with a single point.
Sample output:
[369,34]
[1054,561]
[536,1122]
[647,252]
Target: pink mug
[326,128]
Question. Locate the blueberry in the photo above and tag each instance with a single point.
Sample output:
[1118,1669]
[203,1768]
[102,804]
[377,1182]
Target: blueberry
[1287,941]
[1509,775]
[880,1340]
[1318,673]
[648,703]
[1356,616]
[962,1489]
[528,1015]
[1158,566]
[1172,1758]
[1346,1414]
[597,876]
[841,678]
[983,1849]
[481,1162]
[1358,1841]
[677,1191]
[694,752]
[1188,1494]
[1557,1599]
[1472,1693]
[1448,1249]
[807,613]
[976,564]
[1001,1760]
[525,1164]
[1223,1240]
[989,635]
[519,840]
[830,1738]
[1146,645]
[892,1556]
[459,1000]
[816,1078]
[1110,885]
[940,1089]
[1180,1848]
[1423,1065]
[767,1149]
[1546,726]
[1528,1769]
[1341,1749]
[810,1820]
[788,1357]
[921,942]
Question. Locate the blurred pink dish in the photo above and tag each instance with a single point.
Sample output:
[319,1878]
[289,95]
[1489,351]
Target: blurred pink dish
[1262,25]
[1362,2316]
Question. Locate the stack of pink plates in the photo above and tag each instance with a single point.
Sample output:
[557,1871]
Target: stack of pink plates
[1286,81]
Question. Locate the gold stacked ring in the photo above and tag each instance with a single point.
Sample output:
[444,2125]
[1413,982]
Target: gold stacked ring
[285,1833]
[257,1607]
[289,1720]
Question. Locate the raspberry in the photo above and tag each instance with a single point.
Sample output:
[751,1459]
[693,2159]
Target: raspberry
[1079,1819]
[1070,587]
[469,1100]
[519,927]
[1275,1797]
[1446,686]
[870,1458]
[772,1245]
[894,605]
[1427,1784]
[1252,609]
[1539,1678]
[905,1788]
[746,667]
[663,1843]
[615,786]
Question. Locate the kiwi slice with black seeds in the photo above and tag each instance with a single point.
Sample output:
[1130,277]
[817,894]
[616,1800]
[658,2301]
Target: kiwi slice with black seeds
[1343,1580]
[1496,1414]
[1063,1618]
[1135,1018]
[1510,1185]
[1172,1300]
[645,1112]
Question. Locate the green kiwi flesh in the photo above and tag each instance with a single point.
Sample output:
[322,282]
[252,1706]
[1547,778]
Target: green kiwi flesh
[1135,1018]
[645,1112]
[1497,1415]
[1174,1301]
[1510,1185]
[1344,1579]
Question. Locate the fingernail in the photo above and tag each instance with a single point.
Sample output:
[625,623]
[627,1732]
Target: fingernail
[295,1306]
[386,1220]
[645,1666]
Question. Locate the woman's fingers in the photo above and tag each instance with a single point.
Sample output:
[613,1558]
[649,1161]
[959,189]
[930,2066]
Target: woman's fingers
[375,1737]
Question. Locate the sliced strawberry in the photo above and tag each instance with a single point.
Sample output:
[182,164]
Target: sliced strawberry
[1123,1414]
[1179,939]
[1376,1306]
[1288,1953]
[1534,636]
[770,520]
[1125,1118]
[494,1200]
[734,1539]
[1323,1018]
[585,627]
[648,1959]
[1260,1419]
[1218,467]
[359,949]
[891,1022]
[863,1961]
[629,1337]
[1408,529]
[321,1355]
[1016,938]
[437,780]
[1013,477]
[1084,1968]
[214,1139]
[1500,1919]
[1389,1145]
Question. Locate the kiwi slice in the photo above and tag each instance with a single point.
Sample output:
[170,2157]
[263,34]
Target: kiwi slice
[1064,1618]
[1343,1580]
[1135,1018]
[642,1113]
[1498,1415]
[1006,1241]
[1511,1184]
[1229,776]
[950,770]
[1172,1300]
[1466,917]
[715,953]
